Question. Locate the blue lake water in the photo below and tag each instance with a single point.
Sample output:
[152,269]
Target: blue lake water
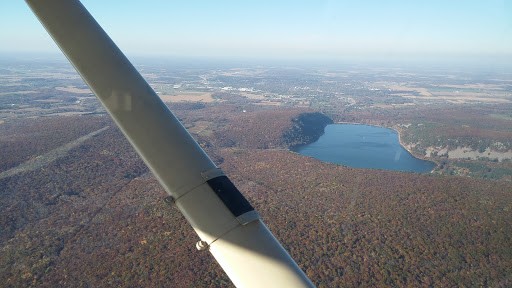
[364,146]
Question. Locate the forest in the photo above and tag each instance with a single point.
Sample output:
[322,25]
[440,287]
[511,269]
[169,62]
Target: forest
[96,216]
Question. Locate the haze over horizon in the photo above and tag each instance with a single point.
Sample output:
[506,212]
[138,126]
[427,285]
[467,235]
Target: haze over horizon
[312,30]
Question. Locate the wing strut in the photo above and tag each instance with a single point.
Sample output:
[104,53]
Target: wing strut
[224,220]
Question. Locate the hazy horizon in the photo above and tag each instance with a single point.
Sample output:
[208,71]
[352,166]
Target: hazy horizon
[492,63]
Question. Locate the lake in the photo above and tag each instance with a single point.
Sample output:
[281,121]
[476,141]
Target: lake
[364,146]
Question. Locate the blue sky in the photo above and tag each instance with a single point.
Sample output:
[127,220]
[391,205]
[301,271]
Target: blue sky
[283,29]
